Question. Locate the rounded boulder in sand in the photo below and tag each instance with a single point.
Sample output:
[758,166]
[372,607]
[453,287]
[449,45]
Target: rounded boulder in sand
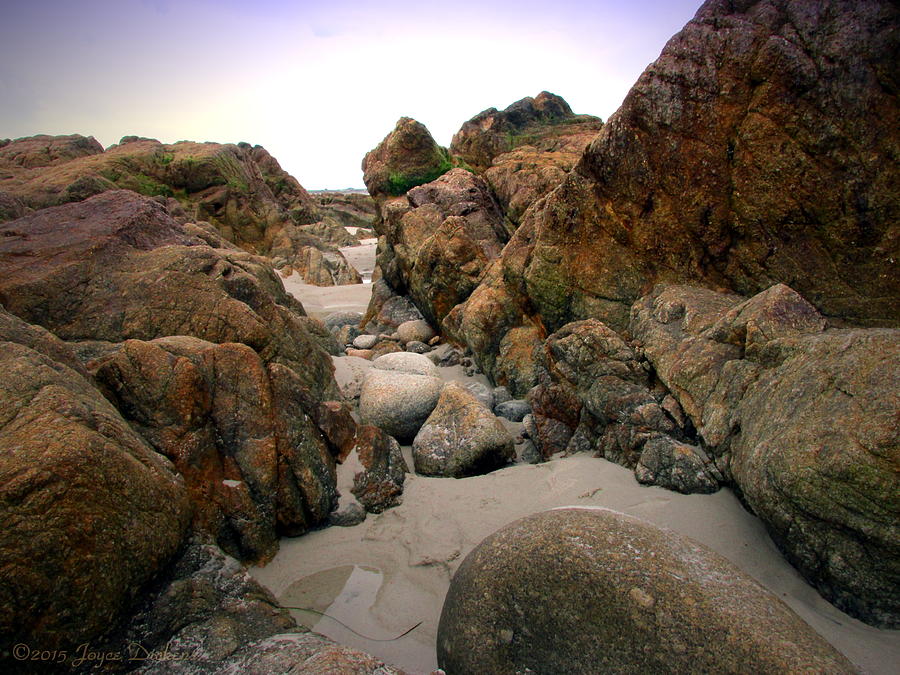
[415,331]
[398,402]
[593,590]
[406,362]
[461,438]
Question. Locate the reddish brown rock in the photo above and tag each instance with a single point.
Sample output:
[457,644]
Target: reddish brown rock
[380,485]
[117,266]
[526,150]
[253,461]
[90,512]
[545,122]
[438,241]
[43,150]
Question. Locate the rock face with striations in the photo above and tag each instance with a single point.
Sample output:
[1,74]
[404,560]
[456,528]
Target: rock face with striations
[722,172]
[593,590]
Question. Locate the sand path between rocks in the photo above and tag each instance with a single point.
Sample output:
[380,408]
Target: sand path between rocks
[393,570]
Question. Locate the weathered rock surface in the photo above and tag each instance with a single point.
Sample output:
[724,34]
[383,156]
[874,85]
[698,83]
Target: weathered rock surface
[544,122]
[91,513]
[801,419]
[255,463]
[439,240]
[577,590]
[526,150]
[403,362]
[240,189]
[397,402]
[461,437]
[43,150]
[595,395]
[787,102]
[415,331]
[408,156]
[321,268]
[380,485]
[387,310]
[117,266]
[817,458]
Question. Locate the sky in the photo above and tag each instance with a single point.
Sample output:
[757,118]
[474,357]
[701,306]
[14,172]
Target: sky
[318,83]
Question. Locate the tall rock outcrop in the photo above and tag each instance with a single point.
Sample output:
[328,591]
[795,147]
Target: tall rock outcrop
[438,239]
[759,148]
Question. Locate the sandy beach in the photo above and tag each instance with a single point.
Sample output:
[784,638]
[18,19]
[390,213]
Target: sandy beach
[320,301]
[392,571]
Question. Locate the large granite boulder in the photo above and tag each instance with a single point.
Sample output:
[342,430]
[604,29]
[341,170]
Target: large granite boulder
[398,402]
[90,512]
[817,458]
[801,419]
[579,590]
[408,156]
[255,463]
[461,437]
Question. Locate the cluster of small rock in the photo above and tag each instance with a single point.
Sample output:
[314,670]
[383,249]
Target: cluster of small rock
[453,428]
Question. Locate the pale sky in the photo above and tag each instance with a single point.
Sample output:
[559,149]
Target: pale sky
[318,83]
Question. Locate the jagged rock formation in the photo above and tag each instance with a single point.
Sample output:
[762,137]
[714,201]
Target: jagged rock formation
[592,590]
[526,150]
[722,171]
[438,240]
[802,420]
